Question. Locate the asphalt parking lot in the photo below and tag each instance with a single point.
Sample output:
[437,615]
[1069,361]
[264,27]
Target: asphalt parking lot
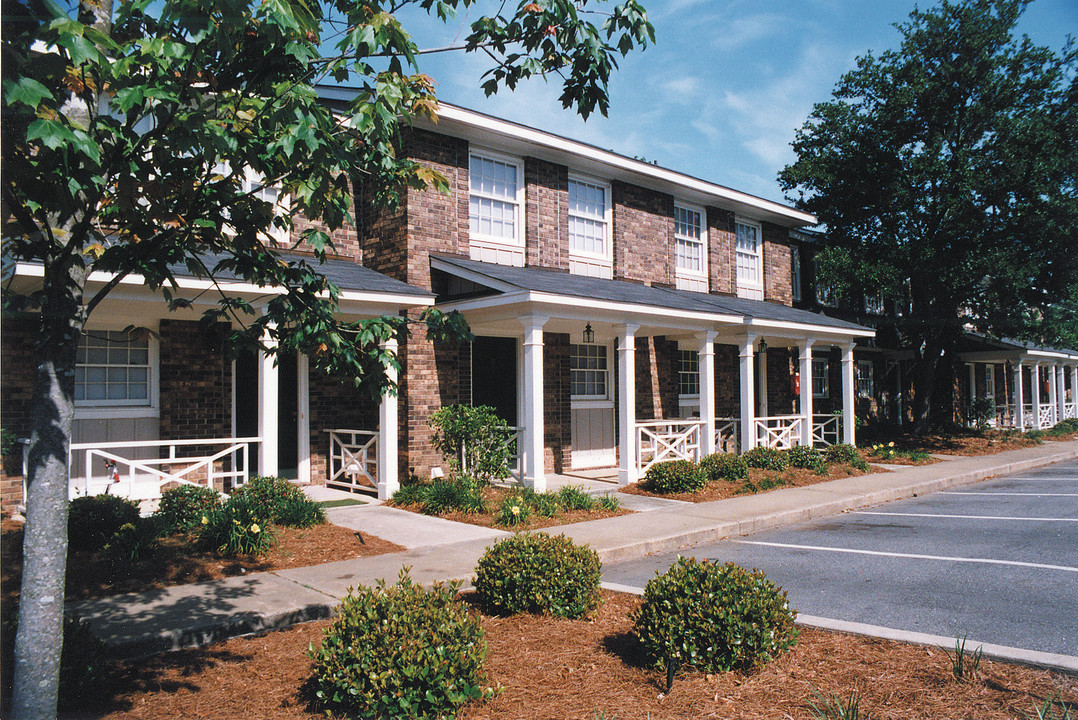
[996,561]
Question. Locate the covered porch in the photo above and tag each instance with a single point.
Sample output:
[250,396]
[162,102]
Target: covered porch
[619,375]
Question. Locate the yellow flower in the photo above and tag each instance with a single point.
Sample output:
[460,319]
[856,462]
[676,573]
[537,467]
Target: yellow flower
[205,520]
[254,528]
[515,509]
[891,444]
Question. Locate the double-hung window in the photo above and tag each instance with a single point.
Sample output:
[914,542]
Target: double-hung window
[589,228]
[113,368]
[821,382]
[990,381]
[865,379]
[750,260]
[690,248]
[495,209]
[795,273]
[588,372]
[874,303]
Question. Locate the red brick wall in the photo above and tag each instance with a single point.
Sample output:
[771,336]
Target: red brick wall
[16,384]
[780,368]
[777,264]
[345,239]
[656,379]
[335,404]
[196,382]
[721,247]
[546,213]
[557,411]
[643,235]
[727,381]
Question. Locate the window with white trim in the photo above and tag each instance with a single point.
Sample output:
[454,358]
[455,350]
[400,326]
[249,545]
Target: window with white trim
[253,183]
[750,259]
[990,381]
[589,228]
[495,208]
[795,273]
[866,385]
[588,372]
[113,368]
[690,248]
[874,303]
[688,372]
[821,381]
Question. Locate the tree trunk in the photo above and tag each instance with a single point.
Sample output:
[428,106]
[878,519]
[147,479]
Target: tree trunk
[39,638]
[924,383]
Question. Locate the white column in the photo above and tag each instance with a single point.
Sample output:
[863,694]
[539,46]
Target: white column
[532,412]
[303,418]
[849,413]
[748,415]
[627,405]
[268,409]
[1035,394]
[898,393]
[972,381]
[805,370]
[388,431]
[761,385]
[1061,392]
[707,392]
[1074,390]
[1019,398]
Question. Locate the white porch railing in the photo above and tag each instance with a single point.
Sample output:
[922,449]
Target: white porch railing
[512,440]
[142,478]
[1070,410]
[661,440]
[1047,416]
[826,429]
[728,435]
[778,431]
[353,459]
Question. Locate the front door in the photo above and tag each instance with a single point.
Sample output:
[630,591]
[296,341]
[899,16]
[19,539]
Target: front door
[494,376]
[591,406]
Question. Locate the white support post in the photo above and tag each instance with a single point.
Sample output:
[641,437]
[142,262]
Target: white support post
[627,405]
[748,415]
[899,388]
[1019,398]
[268,410]
[761,385]
[1074,391]
[303,419]
[388,430]
[805,371]
[849,411]
[972,384]
[1061,392]
[707,392]
[534,467]
[1035,394]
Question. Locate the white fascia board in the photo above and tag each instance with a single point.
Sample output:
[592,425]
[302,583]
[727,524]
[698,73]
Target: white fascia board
[805,328]
[700,190]
[1049,355]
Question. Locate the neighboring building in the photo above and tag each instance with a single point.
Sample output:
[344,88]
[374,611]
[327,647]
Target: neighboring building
[624,313]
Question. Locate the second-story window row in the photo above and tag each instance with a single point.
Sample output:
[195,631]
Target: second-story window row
[689,240]
[494,202]
[588,219]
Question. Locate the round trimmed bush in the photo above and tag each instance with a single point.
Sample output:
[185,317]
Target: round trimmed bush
[278,500]
[724,466]
[93,520]
[400,652]
[181,508]
[537,573]
[845,454]
[675,476]
[807,457]
[238,527]
[766,458]
[713,618]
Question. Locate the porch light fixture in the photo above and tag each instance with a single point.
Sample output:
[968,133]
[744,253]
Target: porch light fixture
[589,334]
[763,345]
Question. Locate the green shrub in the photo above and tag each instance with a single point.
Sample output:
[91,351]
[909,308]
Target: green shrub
[724,466]
[1062,428]
[713,618]
[513,511]
[769,481]
[608,502]
[545,504]
[237,528]
[411,495]
[475,440]
[181,508]
[449,495]
[93,520]
[766,458]
[1036,435]
[571,497]
[538,573]
[807,457]
[280,501]
[675,476]
[842,454]
[400,652]
[132,543]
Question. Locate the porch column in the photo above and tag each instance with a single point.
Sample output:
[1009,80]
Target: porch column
[898,393]
[707,392]
[532,412]
[748,414]
[303,418]
[805,371]
[1035,393]
[1053,407]
[849,414]
[1019,398]
[1074,391]
[388,430]
[1061,393]
[627,405]
[268,408]
[761,385]
[972,383]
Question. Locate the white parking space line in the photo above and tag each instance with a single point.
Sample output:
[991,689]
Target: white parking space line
[910,556]
[964,517]
[1008,494]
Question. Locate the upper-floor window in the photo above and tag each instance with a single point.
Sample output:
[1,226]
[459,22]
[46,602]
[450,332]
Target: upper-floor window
[113,368]
[821,381]
[795,272]
[866,381]
[690,248]
[750,259]
[874,303]
[254,184]
[588,371]
[589,228]
[825,295]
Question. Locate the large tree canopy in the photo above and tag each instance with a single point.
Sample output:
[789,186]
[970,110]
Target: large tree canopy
[945,169]
[130,142]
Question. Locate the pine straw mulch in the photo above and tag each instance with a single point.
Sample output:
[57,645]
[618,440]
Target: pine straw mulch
[589,669]
[966,443]
[767,480]
[493,497]
[176,563]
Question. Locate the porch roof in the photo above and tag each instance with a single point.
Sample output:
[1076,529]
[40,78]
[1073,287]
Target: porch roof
[584,292]
[978,347]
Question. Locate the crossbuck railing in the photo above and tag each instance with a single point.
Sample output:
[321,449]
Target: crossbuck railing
[662,440]
[778,431]
[1070,410]
[826,429]
[506,437]
[353,458]
[1047,416]
[141,475]
[728,434]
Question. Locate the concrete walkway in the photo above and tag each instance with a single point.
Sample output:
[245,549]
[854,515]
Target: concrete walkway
[185,615]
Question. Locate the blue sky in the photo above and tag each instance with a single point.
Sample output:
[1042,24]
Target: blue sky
[721,93]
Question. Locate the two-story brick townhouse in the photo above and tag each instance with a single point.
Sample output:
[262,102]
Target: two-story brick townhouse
[624,312]
[1004,371]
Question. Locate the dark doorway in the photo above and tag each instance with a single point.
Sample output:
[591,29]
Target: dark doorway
[494,375]
[247,399]
[287,417]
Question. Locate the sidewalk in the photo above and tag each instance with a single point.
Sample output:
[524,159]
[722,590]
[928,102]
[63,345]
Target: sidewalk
[185,615]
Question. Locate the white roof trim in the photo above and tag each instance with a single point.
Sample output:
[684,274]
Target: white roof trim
[803,327]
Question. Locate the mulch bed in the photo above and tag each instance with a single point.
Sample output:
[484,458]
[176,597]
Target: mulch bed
[590,669]
[723,489]
[89,575]
[985,442]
